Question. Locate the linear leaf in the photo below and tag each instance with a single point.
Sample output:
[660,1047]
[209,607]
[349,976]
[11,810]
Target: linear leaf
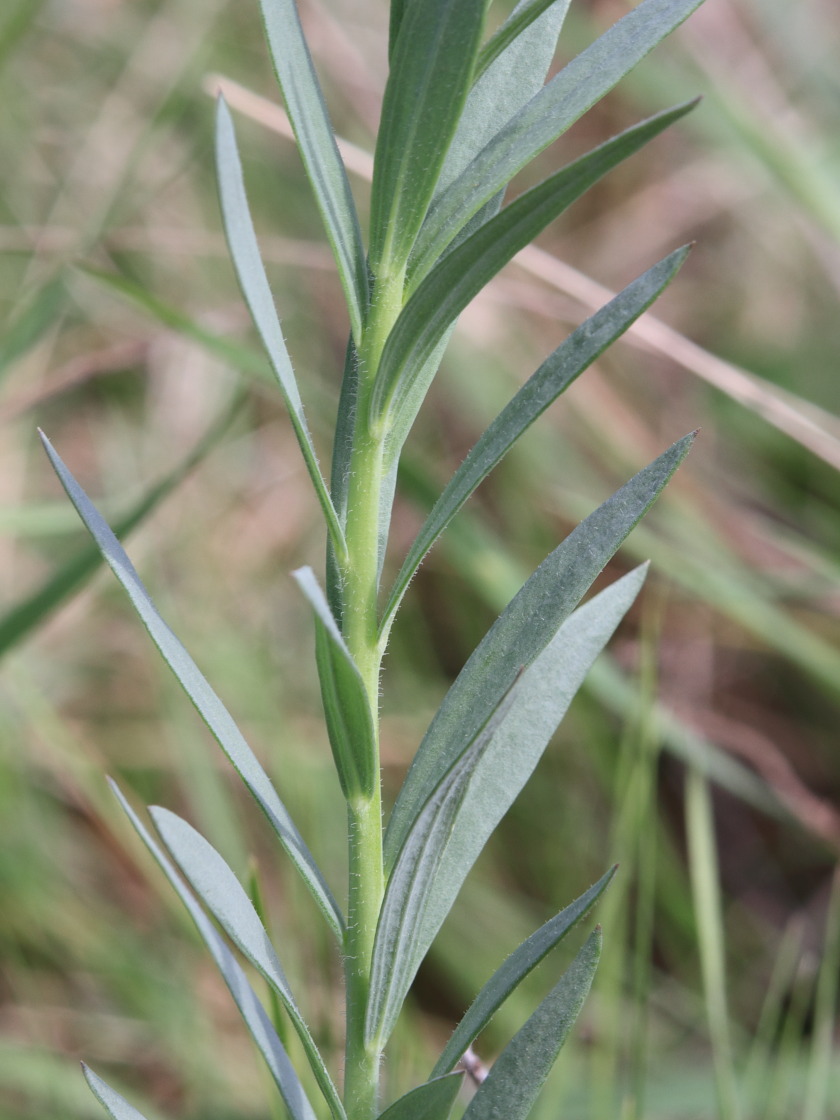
[518,1074]
[346,705]
[523,631]
[461,275]
[197,688]
[553,377]
[40,313]
[245,253]
[585,80]
[225,898]
[252,1011]
[398,8]
[506,84]
[26,615]
[523,17]
[114,1104]
[427,86]
[511,974]
[431,1101]
[319,152]
[396,950]
[510,751]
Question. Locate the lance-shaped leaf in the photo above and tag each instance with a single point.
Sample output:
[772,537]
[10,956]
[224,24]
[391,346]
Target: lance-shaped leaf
[114,1104]
[431,1101]
[553,377]
[523,631]
[346,705]
[462,274]
[489,774]
[252,1011]
[546,116]
[523,17]
[245,253]
[517,1075]
[319,152]
[396,950]
[511,974]
[207,703]
[427,86]
[223,895]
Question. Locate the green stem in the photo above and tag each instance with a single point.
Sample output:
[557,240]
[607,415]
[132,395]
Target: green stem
[361,633]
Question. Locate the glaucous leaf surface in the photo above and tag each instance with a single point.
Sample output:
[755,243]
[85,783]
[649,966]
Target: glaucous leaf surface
[430,1101]
[114,1104]
[207,703]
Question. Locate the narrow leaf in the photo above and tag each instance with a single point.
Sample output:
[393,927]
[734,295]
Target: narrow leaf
[225,898]
[522,631]
[518,22]
[319,152]
[29,326]
[252,1011]
[511,974]
[245,253]
[553,377]
[432,1101]
[115,1105]
[346,705]
[493,779]
[398,8]
[397,952]
[17,623]
[518,1074]
[197,688]
[427,87]
[462,274]
[585,80]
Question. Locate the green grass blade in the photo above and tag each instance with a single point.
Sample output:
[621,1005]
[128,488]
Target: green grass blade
[825,1013]
[346,706]
[431,1101]
[705,888]
[255,1017]
[523,631]
[558,371]
[578,86]
[27,615]
[225,898]
[254,283]
[206,702]
[514,970]
[398,949]
[319,152]
[115,1105]
[462,274]
[518,1074]
[523,17]
[28,327]
[427,87]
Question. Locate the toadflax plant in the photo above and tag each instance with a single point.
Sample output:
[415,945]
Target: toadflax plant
[462,114]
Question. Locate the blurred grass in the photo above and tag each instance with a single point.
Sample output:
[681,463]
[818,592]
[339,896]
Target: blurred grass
[730,664]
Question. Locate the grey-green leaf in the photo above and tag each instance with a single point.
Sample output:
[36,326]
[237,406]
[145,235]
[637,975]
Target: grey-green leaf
[548,114]
[245,253]
[256,1020]
[207,703]
[427,86]
[524,16]
[319,152]
[461,275]
[491,774]
[397,951]
[514,970]
[114,1104]
[553,377]
[346,706]
[223,895]
[431,1101]
[518,1074]
[523,631]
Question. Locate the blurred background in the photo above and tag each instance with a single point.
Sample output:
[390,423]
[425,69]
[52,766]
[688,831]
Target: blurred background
[702,754]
